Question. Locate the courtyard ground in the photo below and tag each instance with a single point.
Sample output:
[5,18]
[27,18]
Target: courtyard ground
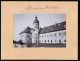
[41,45]
[48,45]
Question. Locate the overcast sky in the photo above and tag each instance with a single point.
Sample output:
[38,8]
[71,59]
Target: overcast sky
[21,21]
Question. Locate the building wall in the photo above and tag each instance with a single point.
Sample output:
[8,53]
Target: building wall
[53,37]
[22,37]
[35,37]
[28,38]
[25,37]
[35,33]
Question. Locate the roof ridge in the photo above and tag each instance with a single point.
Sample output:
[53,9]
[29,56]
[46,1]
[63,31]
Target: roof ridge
[54,24]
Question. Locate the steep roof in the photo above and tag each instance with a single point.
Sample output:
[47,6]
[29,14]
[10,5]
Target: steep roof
[53,28]
[26,30]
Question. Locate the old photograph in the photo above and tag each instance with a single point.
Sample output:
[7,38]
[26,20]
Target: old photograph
[39,30]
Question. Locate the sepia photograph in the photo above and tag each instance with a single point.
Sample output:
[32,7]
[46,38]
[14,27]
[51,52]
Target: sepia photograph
[39,30]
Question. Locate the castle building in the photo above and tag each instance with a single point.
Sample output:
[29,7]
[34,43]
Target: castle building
[55,33]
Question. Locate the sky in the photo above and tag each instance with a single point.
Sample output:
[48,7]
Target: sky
[21,21]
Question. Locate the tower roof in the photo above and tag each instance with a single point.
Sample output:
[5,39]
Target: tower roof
[26,30]
[36,20]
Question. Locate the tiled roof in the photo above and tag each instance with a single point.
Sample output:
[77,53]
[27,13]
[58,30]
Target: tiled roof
[53,28]
[26,30]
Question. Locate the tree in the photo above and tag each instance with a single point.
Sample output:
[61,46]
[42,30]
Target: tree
[20,42]
[14,41]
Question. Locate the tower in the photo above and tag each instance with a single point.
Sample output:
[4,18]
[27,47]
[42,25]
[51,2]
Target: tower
[36,23]
[36,28]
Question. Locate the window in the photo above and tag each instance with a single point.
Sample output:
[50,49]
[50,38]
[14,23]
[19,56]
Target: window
[59,24]
[36,34]
[27,35]
[55,34]
[65,26]
[51,41]
[45,41]
[59,34]
[51,35]
[48,40]
[45,35]
[64,33]
[42,35]
[41,31]
[36,41]
[55,41]
[60,41]
[40,41]
[64,40]
[51,29]
[22,35]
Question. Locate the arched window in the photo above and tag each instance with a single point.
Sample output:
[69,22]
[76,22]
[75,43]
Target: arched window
[64,40]
[39,36]
[48,40]
[59,41]
[45,41]
[51,41]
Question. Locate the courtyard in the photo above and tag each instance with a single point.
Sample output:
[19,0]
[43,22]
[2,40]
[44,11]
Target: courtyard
[48,45]
[41,45]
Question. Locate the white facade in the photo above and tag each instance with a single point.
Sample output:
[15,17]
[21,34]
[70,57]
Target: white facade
[35,37]
[26,37]
[53,37]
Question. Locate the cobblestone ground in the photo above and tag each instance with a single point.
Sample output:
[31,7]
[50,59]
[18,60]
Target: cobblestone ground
[48,45]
